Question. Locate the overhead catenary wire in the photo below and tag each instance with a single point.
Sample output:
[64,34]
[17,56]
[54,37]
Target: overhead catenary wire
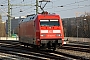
[65,4]
[70,4]
[73,3]
[3,2]
[24,11]
[17,8]
[73,8]
[4,12]
[22,6]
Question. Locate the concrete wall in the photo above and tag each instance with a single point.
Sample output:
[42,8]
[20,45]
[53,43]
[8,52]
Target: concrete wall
[8,38]
[14,23]
[78,39]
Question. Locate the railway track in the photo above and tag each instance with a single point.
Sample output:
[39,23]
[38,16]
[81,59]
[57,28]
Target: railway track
[31,54]
[22,51]
[77,47]
[68,55]
[15,48]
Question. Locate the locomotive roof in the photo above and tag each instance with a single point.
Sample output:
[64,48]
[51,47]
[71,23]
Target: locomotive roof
[33,17]
[28,18]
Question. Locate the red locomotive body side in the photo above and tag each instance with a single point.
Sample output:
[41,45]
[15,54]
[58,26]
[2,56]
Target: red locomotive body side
[26,31]
[41,30]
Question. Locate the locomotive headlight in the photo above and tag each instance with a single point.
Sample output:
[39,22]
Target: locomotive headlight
[58,34]
[42,35]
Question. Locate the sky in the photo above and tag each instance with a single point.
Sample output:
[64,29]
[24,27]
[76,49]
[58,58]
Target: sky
[69,9]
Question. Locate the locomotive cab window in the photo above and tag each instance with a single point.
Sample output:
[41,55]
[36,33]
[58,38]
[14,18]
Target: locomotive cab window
[49,23]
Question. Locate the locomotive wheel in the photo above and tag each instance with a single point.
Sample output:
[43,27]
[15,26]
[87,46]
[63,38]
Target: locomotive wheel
[49,45]
[54,47]
[36,47]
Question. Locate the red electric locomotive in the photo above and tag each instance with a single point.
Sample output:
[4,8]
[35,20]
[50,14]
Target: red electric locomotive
[42,30]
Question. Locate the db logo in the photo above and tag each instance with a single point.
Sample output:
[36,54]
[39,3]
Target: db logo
[50,31]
